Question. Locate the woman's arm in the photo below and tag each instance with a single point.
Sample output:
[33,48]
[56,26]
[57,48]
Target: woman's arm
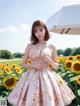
[50,61]
[54,57]
[32,65]
[26,56]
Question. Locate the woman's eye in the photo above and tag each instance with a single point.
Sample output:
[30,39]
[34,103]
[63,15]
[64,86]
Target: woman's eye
[35,31]
[41,30]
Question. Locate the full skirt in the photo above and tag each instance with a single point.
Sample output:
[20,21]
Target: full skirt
[41,88]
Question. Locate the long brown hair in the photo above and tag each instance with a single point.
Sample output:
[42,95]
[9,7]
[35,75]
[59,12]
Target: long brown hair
[38,23]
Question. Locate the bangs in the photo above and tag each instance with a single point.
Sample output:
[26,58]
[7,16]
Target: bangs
[37,26]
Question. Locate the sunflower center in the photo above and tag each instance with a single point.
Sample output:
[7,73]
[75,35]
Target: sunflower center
[77,67]
[78,57]
[18,70]
[68,64]
[10,82]
[70,58]
[7,70]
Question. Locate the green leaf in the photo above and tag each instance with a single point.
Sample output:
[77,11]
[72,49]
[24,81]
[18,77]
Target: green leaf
[72,79]
[78,91]
[4,93]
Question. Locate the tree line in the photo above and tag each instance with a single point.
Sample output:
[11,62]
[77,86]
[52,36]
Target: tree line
[6,54]
[69,51]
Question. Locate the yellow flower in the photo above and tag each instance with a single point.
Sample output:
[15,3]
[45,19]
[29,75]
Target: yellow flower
[78,79]
[70,58]
[29,61]
[61,59]
[7,65]
[7,70]
[49,66]
[76,66]
[61,81]
[1,65]
[1,73]
[13,65]
[18,70]
[9,83]
[77,57]
[68,64]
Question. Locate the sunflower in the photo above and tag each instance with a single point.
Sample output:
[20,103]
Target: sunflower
[49,66]
[7,65]
[61,59]
[9,83]
[64,58]
[13,65]
[76,67]
[18,70]
[7,69]
[1,73]
[68,64]
[78,79]
[61,81]
[77,57]
[1,65]
[70,57]
[29,61]
[58,59]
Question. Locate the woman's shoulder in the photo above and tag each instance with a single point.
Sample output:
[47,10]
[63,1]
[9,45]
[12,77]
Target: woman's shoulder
[28,46]
[52,46]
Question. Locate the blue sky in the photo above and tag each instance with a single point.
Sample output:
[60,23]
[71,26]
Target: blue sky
[15,12]
[17,16]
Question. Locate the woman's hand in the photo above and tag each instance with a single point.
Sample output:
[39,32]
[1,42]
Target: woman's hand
[48,60]
[37,65]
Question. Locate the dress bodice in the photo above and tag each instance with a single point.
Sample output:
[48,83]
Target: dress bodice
[36,54]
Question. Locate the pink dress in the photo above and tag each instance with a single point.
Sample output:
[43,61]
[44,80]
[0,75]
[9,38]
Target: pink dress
[40,88]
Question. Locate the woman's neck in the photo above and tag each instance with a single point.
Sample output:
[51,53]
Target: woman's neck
[42,42]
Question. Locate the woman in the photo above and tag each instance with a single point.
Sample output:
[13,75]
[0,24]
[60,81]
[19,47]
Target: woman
[39,86]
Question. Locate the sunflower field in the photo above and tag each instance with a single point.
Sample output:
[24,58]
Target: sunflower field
[69,70]
[10,73]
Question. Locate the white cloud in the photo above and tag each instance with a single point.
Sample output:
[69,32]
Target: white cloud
[9,29]
[24,27]
[14,38]
[20,28]
[69,2]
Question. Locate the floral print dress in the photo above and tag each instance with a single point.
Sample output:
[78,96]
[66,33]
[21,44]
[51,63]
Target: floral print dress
[40,88]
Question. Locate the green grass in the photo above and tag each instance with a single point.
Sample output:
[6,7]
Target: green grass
[11,61]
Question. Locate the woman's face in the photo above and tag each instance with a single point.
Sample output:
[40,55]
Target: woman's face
[39,33]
